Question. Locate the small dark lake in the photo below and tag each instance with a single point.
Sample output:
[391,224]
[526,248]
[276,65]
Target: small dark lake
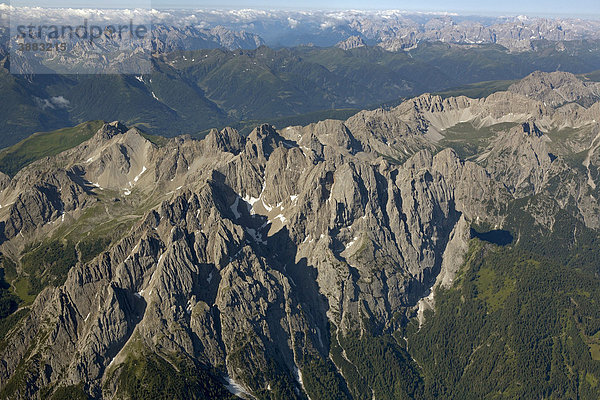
[500,237]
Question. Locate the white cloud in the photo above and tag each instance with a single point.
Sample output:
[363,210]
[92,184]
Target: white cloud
[60,102]
[53,103]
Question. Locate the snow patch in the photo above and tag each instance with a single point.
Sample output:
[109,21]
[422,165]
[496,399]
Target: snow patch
[209,278]
[291,281]
[319,336]
[251,200]
[352,242]
[234,208]
[140,174]
[298,374]
[235,255]
[267,207]
[234,387]
[281,218]
[257,238]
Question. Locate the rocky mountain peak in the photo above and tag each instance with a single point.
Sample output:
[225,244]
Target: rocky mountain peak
[263,140]
[557,88]
[428,102]
[261,253]
[111,129]
[227,140]
[530,128]
[262,132]
[335,134]
[352,42]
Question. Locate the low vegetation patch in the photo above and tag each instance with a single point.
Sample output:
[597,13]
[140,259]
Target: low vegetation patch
[44,144]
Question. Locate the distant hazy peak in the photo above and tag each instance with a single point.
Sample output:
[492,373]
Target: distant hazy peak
[351,43]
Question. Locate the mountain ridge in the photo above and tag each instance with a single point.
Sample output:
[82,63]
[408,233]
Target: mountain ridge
[369,216]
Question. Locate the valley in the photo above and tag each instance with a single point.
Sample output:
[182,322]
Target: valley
[190,92]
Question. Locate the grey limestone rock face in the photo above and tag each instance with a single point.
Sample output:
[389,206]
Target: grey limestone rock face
[244,252]
[352,42]
[557,88]
[516,35]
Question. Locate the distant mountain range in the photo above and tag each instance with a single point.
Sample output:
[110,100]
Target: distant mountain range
[192,91]
[166,38]
[392,29]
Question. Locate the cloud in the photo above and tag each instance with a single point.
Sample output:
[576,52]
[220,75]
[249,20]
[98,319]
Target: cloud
[54,103]
[60,102]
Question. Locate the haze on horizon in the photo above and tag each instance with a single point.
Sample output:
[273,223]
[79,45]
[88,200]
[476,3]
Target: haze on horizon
[550,8]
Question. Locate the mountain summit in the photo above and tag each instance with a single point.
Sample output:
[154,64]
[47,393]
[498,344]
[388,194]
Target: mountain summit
[351,43]
[288,263]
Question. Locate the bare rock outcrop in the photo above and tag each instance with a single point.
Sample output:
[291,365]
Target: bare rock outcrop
[244,255]
[352,42]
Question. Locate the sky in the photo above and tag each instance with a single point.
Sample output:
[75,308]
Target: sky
[494,7]
[580,8]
